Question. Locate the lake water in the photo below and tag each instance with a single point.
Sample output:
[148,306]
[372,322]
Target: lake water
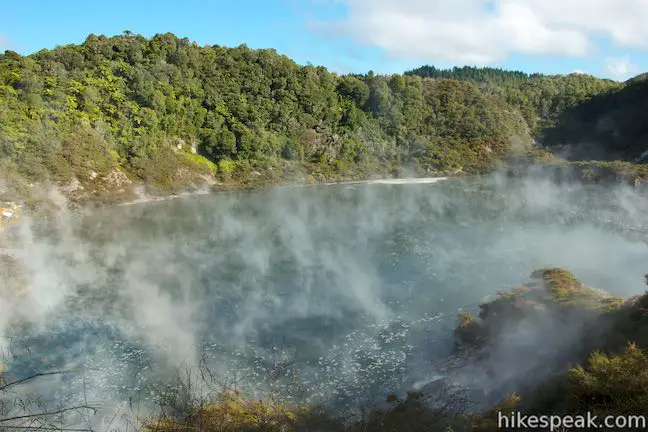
[352,289]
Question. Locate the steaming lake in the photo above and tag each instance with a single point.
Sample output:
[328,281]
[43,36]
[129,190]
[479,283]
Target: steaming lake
[360,285]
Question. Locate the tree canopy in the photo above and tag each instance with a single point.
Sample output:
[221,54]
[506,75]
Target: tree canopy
[132,102]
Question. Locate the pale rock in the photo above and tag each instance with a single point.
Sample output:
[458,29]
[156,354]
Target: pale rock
[116,179]
[73,186]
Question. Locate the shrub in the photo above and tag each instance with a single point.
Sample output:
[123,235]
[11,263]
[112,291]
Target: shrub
[230,411]
[226,167]
[468,330]
[202,161]
[611,384]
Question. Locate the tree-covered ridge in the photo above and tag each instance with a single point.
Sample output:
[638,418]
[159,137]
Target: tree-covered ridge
[540,98]
[126,98]
[144,106]
[471,73]
[610,126]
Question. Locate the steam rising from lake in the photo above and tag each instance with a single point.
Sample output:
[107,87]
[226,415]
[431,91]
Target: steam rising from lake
[352,289]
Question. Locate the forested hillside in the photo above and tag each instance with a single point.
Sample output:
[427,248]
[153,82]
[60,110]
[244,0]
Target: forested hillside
[128,109]
[541,99]
[610,126]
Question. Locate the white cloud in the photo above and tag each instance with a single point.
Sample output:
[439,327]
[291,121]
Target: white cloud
[487,31]
[621,67]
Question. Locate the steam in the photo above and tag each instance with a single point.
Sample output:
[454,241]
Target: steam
[360,283]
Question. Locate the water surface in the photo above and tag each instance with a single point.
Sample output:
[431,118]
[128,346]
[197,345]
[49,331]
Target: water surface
[352,289]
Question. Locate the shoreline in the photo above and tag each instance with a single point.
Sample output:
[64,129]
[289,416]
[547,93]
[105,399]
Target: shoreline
[422,180]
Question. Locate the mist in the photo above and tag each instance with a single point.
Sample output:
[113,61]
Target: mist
[354,288]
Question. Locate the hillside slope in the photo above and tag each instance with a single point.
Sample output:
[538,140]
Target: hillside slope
[114,114]
[145,106]
[541,99]
[609,126]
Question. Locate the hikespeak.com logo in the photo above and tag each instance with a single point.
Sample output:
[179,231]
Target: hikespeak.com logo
[517,420]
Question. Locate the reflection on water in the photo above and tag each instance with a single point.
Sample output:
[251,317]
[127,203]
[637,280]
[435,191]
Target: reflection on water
[351,290]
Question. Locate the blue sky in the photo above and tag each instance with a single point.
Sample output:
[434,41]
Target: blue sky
[386,36]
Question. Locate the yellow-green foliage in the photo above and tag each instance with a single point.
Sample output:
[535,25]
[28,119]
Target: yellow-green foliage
[230,411]
[541,155]
[506,306]
[466,319]
[468,330]
[168,170]
[202,161]
[86,151]
[552,289]
[565,289]
[560,283]
[611,383]
[487,421]
[520,290]
[226,167]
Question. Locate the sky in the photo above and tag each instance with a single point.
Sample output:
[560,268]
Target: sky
[606,38]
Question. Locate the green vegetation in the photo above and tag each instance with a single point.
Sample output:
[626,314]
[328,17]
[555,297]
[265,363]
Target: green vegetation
[566,291]
[231,411]
[140,106]
[135,110]
[543,162]
[578,116]
[541,99]
[552,292]
[611,384]
[612,347]
[609,126]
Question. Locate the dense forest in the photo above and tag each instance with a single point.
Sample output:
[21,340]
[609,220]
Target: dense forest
[541,99]
[608,126]
[167,112]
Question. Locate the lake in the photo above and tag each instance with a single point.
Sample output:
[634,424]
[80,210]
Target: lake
[350,290]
